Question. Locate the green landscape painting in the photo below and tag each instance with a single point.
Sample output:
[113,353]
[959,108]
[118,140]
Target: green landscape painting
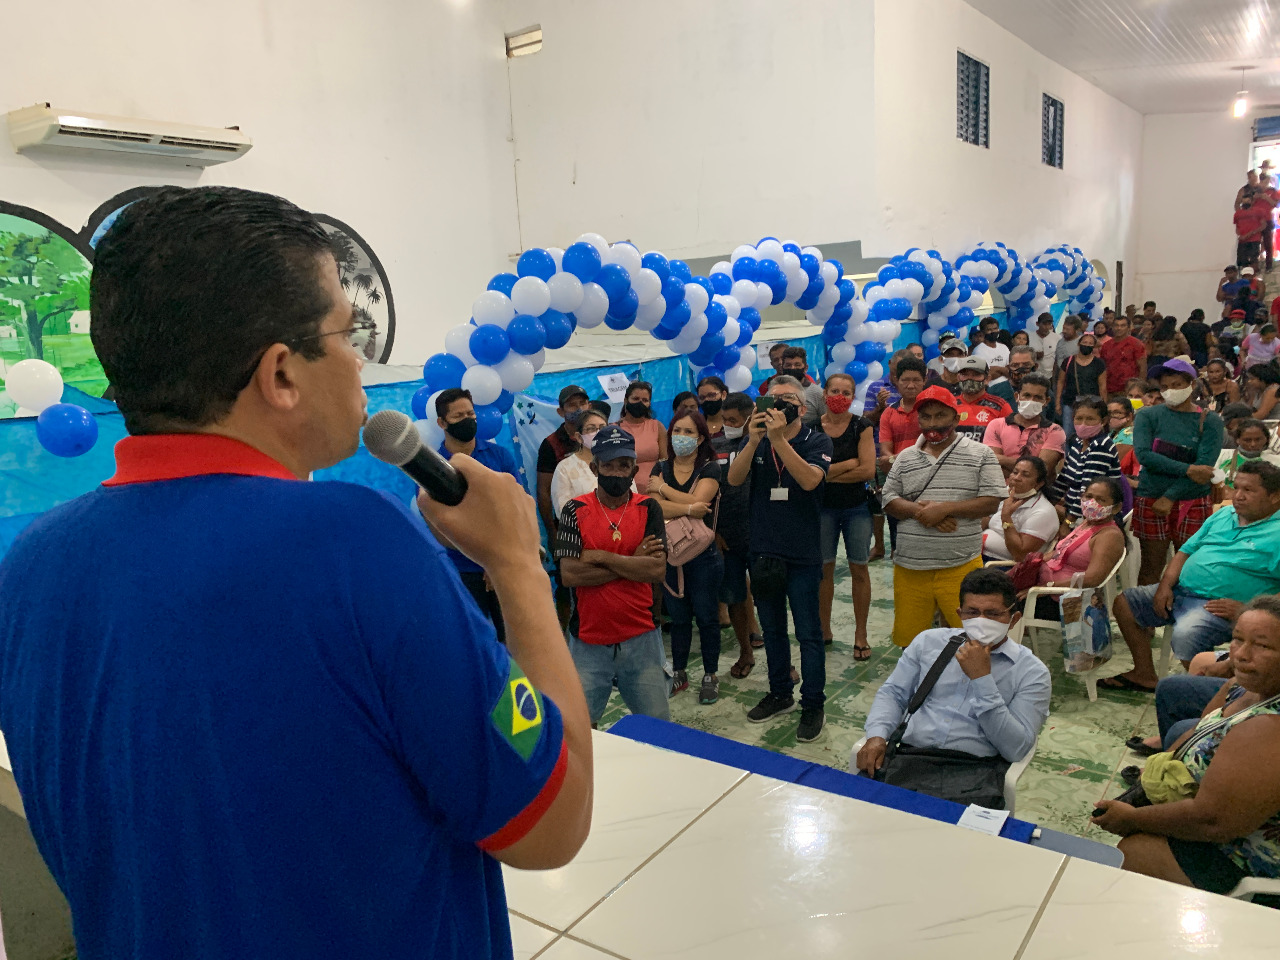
[44,306]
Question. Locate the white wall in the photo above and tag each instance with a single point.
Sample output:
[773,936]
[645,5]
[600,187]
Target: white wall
[1192,166]
[390,116]
[935,190]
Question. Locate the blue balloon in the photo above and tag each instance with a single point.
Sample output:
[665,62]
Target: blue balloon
[678,315]
[839,268]
[917,272]
[809,264]
[504,402]
[856,369]
[727,357]
[721,283]
[664,332]
[809,299]
[489,344]
[981,284]
[582,260]
[527,334]
[882,309]
[626,307]
[418,404]
[848,290]
[716,316]
[792,248]
[766,269]
[962,317]
[705,354]
[931,352]
[833,332]
[778,287]
[745,333]
[488,421]
[66,430]
[672,290]
[706,285]
[558,329]
[900,308]
[749,317]
[763,239]
[680,270]
[744,268]
[1050,289]
[536,263]
[614,280]
[503,283]
[888,272]
[869,286]
[841,314]
[865,351]
[618,323]
[657,263]
[443,370]
[711,371]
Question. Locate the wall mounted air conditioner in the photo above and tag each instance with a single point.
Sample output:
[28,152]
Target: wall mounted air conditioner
[44,126]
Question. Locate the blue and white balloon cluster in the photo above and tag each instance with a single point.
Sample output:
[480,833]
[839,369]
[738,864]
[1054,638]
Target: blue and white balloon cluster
[1029,287]
[1069,271]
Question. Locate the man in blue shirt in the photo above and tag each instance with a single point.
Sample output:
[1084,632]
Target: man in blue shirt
[456,415]
[252,716]
[990,700]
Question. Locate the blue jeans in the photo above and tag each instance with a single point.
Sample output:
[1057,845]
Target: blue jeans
[638,666]
[700,602]
[803,581]
[1069,421]
[1179,702]
[1195,629]
[854,524]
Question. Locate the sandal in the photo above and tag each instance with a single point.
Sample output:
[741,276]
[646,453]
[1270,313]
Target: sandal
[1136,745]
[757,641]
[740,670]
[876,554]
[1119,682]
[862,653]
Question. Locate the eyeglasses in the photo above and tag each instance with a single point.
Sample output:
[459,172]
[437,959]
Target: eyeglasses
[361,337]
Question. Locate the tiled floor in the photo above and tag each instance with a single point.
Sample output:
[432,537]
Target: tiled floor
[1080,751]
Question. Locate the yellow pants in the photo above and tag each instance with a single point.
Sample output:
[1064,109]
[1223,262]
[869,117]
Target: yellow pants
[916,593]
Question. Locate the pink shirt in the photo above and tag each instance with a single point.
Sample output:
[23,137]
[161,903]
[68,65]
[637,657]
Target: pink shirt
[1071,556]
[648,453]
[1008,439]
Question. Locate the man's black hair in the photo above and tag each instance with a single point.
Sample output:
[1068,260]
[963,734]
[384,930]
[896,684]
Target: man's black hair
[1265,471]
[740,402]
[792,353]
[190,287]
[602,407]
[912,363]
[1236,411]
[681,397]
[989,582]
[1036,380]
[449,397]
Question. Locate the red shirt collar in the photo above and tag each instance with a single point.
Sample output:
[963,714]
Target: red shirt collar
[173,456]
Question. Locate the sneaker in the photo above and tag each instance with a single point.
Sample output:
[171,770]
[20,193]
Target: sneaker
[710,691]
[811,722]
[679,682]
[770,706]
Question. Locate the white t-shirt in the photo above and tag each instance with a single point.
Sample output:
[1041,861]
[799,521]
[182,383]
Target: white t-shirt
[1035,518]
[573,478]
[996,354]
[1048,346]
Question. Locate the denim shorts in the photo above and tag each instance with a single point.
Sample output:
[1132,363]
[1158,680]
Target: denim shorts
[733,584]
[1195,629]
[855,525]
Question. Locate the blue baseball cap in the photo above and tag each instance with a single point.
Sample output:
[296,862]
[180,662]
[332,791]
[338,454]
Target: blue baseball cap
[611,443]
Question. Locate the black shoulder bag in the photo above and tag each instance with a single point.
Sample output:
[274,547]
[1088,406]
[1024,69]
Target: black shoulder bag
[945,774]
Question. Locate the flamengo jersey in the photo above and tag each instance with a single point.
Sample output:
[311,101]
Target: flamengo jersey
[256,717]
[976,415]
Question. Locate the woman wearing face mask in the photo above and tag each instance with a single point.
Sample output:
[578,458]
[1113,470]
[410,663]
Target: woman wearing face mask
[686,484]
[1219,388]
[1090,455]
[1120,424]
[1092,547]
[1084,375]
[711,395]
[573,476]
[1026,521]
[845,511]
[1252,440]
[1177,444]
[638,420]
[1262,389]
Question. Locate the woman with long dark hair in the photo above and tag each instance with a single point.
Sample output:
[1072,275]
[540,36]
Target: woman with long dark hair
[1165,343]
[1218,387]
[638,420]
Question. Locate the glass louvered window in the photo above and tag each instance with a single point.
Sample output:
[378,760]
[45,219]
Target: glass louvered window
[1051,132]
[973,101]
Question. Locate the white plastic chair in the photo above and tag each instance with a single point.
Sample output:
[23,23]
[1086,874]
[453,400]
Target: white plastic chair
[1029,621]
[1011,777]
[1251,887]
[1129,578]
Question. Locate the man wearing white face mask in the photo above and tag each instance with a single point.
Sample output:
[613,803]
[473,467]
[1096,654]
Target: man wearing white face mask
[945,368]
[1027,432]
[988,703]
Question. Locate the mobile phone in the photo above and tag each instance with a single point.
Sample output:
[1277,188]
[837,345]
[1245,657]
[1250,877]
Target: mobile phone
[765,403]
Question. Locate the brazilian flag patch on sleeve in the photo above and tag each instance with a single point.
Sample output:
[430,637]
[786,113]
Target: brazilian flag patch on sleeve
[517,716]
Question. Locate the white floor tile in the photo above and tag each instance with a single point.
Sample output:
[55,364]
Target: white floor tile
[1101,913]
[528,938]
[565,949]
[778,870]
[643,797]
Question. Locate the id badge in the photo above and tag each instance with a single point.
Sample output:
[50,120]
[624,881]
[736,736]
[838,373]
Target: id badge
[779,493]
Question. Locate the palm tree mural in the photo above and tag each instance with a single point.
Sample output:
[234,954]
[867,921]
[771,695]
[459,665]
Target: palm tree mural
[362,279]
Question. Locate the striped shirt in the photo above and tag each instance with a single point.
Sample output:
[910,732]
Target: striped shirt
[970,470]
[1081,467]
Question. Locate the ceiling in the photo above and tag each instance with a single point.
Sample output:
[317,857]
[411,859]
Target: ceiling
[1158,56]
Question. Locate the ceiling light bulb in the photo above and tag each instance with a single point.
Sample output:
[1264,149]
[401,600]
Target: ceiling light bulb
[1241,106]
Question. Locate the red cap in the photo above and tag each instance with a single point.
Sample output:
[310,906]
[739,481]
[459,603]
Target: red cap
[939,395]
[1233,315]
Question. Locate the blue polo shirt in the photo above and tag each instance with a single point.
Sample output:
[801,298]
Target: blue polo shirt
[1227,560]
[496,458]
[788,528]
[222,693]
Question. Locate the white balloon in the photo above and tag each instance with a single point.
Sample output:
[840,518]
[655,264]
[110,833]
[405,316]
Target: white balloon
[538,359]
[949,309]
[566,292]
[696,327]
[731,331]
[697,296]
[764,295]
[646,284]
[430,432]
[731,306]
[875,370]
[796,285]
[597,241]
[833,368]
[723,266]
[686,343]
[34,384]
[492,306]
[485,384]
[557,255]
[23,412]
[530,295]
[655,310]
[748,356]
[860,310]
[813,250]
[595,304]
[894,288]
[894,330]
[919,256]
[859,334]
[875,295]
[744,250]
[815,318]
[770,250]
[913,290]
[842,353]
[829,297]
[516,372]
[744,291]
[790,264]
[624,255]
[458,342]
[929,337]
[737,378]
[646,323]
[827,271]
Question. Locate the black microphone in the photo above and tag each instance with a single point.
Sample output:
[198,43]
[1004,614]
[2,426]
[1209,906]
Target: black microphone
[392,438]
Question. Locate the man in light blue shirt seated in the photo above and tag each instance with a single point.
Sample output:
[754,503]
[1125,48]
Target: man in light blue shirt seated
[990,700]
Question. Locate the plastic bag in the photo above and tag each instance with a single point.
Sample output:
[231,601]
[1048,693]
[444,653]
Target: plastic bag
[1086,629]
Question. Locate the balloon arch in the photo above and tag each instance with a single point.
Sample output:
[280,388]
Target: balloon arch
[712,320]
